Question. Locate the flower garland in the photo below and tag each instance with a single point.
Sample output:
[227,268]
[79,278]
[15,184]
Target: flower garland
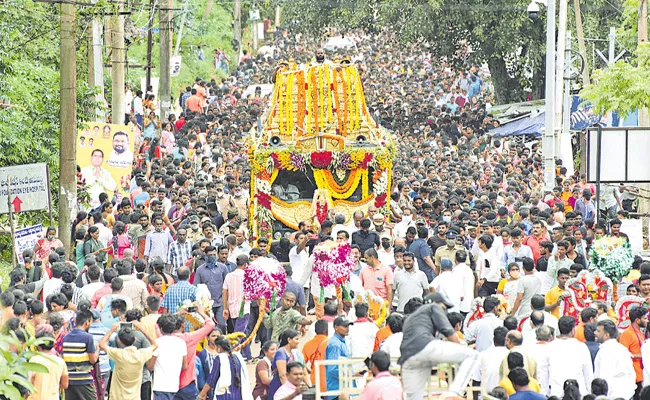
[308,101]
[325,179]
[344,103]
[289,105]
[321,95]
[337,105]
[314,98]
[300,120]
[358,102]
[328,90]
[333,263]
[351,104]
[281,103]
[291,159]
[613,256]
[263,279]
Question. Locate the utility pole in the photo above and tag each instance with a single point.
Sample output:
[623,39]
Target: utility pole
[237,22]
[277,16]
[254,18]
[68,115]
[117,65]
[644,204]
[548,138]
[95,67]
[165,91]
[149,45]
[180,29]
[581,41]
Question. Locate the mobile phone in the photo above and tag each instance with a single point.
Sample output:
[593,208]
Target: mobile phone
[192,309]
[126,325]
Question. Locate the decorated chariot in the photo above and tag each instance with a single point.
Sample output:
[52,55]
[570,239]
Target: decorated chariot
[317,149]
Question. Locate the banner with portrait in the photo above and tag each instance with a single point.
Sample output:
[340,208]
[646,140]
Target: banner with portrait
[105,156]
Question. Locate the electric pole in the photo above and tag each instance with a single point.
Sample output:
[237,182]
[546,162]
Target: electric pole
[68,89]
[165,91]
[117,65]
[237,22]
[254,18]
[149,46]
[581,41]
[277,16]
[95,65]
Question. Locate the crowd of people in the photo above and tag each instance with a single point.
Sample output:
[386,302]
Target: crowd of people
[469,221]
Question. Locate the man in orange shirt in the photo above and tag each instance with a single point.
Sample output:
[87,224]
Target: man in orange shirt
[587,315]
[315,349]
[633,339]
[193,103]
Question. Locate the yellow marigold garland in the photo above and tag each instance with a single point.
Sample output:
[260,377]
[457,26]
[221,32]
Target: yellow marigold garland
[300,120]
[308,101]
[281,103]
[337,104]
[289,105]
[314,104]
[344,103]
[328,90]
[324,179]
[350,98]
[359,102]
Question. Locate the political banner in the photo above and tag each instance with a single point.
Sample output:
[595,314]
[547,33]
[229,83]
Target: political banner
[30,188]
[582,114]
[26,238]
[105,156]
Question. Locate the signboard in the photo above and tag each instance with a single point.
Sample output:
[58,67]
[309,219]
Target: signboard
[105,155]
[619,154]
[582,114]
[30,188]
[26,238]
[254,15]
[175,66]
[633,228]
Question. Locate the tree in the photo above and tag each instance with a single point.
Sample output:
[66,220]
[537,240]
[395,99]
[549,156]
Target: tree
[15,366]
[622,87]
[513,50]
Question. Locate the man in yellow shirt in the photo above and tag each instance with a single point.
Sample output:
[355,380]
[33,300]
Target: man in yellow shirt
[516,360]
[554,296]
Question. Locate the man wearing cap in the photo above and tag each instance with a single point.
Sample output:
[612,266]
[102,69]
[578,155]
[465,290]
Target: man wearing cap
[448,285]
[422,349]
[449,250]
[337,348]
[194,233]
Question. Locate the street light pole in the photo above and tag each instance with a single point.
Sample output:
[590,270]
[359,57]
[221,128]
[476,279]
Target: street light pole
[548,138]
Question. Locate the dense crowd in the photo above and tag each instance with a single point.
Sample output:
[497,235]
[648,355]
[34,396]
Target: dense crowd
[469,219]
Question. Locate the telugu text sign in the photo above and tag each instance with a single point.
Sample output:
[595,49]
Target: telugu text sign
[29,188]
[26,238]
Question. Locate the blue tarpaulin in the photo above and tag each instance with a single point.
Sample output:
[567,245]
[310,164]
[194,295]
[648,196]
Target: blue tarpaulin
[525,126]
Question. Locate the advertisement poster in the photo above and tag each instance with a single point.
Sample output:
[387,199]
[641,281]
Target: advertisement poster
[105,156]
[26,238]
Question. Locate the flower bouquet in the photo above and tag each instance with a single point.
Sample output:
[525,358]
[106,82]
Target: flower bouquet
[333,264]
[264,280]
[612,256]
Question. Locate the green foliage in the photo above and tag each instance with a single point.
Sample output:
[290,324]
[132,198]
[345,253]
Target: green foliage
[623,87]
[15,366]
[210,33]
[512,50]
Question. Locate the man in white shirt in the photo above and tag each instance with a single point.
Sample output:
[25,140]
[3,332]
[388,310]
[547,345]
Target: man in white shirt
[482,331]
[569,359]
[339,224]
[298,256]
[362,333]
[447,285]
[488,373]
[385,253]
[169,360]
[488,267]
[93,274]
[516,251]
[535,321]
[614,362]
[407,221]
[105,234]
[464,274]
[537,304]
